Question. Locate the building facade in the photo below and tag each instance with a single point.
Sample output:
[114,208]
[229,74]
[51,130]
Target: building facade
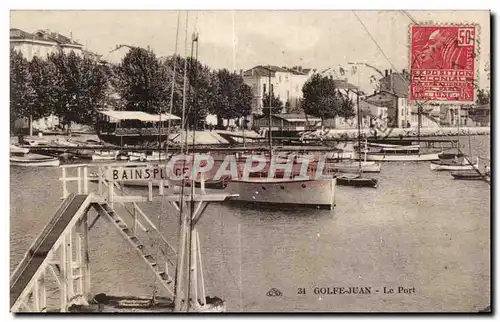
[42,43]
[285,83]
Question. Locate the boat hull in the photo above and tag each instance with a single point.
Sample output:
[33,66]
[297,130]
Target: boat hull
[395,157]
[448,167]
[357,182]
[286,192]
[35,163]
[367,167]
[469,175]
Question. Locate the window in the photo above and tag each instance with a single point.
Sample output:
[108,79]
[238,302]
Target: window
[272,88]
[264,88]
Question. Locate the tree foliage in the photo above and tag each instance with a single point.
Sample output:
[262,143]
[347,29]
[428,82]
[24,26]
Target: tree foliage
[276,104]
[322,99]
[22,94]
[45,81]
[483,97]
[233,97]
[142,81]
[81,89]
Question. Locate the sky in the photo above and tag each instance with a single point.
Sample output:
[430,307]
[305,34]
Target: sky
[243,39]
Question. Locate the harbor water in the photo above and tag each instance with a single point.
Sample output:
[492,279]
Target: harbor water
[420,233]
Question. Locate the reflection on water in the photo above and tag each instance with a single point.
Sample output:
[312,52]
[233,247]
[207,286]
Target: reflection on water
[419,229]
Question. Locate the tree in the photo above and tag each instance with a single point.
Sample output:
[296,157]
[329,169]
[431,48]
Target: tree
[21,92]
[45,84]
[82,84]
[346,108]
[233,97]
[276,104]
[142,81]
[483,97]
[323,100]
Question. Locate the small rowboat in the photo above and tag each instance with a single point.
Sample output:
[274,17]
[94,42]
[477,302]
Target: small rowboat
[356,181]
[470,175]
[14,149]
[447,165]
[34,160]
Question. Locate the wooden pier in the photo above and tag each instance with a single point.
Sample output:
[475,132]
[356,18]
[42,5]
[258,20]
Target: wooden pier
[66,234]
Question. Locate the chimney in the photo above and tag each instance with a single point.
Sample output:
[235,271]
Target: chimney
[241,72]
[386,73]
[390,72]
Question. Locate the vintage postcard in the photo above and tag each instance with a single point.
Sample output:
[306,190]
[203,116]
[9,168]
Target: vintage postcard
[250,161]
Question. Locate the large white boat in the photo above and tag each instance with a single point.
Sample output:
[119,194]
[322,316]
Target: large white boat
[313,193]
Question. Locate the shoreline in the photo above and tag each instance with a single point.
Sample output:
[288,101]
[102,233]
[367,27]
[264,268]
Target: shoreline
[397,132]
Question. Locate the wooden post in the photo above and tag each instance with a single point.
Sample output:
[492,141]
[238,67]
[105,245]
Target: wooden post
[64,272]
[162,183]
[202,281]
[86,259]
[202,183]
[36,296]
[85,180]
[150,191]
[69,263]
[43,293]
[101,178]
[79,283]
[65,191]
[79,173]
[194,271]
[134,214]
[111,192]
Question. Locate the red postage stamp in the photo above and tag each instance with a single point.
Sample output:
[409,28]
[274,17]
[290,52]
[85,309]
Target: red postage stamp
[442,66]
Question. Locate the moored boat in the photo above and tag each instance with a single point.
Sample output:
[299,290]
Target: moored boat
[307,193]
[14,149]
[34,160]
[398,156]
[442,165]
[366,166]
[470,175]
[356,180]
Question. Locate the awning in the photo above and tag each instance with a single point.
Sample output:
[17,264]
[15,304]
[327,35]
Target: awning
[137,115]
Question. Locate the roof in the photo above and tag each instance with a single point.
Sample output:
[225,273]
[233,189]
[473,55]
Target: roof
[483,107]
[61,39]
[399,83]
[21,34]
[344,84]
[295,117]
[263,71]
[137,115]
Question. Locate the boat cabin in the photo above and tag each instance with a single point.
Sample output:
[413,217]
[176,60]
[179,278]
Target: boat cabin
[134,126]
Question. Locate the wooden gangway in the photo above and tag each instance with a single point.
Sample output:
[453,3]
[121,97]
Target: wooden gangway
[61,249]
[70,210]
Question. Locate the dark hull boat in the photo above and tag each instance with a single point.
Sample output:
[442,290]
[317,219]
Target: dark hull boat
[357,181]
[470,175]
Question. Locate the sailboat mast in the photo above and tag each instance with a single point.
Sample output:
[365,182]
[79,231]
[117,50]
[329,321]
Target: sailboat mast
[179,278]
[359,124]
[458,127]
[270,110]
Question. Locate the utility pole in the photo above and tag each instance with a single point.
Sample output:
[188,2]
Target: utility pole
[270,109]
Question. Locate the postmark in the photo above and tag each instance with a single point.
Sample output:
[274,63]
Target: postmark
[443,63]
